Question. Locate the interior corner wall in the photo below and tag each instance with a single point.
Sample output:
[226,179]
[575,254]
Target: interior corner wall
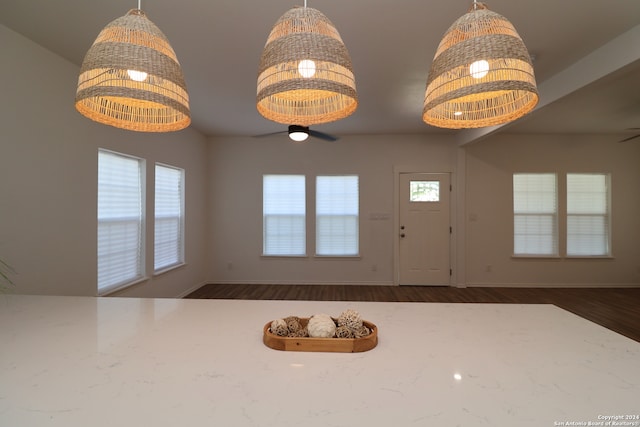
[490,165]
[236,169]
[48,180]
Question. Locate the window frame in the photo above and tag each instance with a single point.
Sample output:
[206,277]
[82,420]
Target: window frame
[270,212]
[553,215]
[564,214]
[320,214]
[310,222]
[607,221]
[179,259]
[140,222]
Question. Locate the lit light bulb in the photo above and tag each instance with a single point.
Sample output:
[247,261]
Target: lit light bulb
[298,136]
[307,68]
[479,69]
[138,76]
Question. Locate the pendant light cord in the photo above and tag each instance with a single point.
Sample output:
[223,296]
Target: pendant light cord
[478,5]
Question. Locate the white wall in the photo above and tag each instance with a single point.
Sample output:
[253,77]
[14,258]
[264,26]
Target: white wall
[236,169]
[489,208]
[483,222]
[48,179]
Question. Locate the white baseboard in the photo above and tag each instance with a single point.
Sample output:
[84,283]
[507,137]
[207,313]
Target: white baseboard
[455,285]
[191,289]
[294,282]
[553,285]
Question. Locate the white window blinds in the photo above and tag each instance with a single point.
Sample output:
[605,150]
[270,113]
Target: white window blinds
[337,215]
[588,215]
[283,214]
[535,210]
[169,217]
[120,220]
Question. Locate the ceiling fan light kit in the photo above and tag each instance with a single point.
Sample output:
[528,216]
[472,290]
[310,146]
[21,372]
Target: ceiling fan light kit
[131,78]
[298,133]
[481,75]
[305,76]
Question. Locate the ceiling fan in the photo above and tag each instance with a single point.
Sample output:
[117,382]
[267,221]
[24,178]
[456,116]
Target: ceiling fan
[301,133]
[631,137]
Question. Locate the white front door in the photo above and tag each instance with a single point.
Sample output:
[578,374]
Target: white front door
[425,233]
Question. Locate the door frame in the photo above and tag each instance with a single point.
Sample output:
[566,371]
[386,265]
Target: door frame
[453,202]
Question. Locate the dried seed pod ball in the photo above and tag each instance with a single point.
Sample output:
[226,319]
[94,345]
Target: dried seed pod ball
[321,326]
[300,333]
[293,323]
[351,319]
[362,332]
[344,332]
[279,327]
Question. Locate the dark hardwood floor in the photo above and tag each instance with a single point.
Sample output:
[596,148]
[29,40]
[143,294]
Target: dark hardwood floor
[615,308]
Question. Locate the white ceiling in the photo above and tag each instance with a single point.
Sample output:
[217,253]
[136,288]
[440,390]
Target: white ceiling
[587,56]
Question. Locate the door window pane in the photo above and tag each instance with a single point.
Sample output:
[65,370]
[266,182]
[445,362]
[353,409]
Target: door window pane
[424,191]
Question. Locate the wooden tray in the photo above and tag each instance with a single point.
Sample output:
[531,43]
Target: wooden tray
[333,345]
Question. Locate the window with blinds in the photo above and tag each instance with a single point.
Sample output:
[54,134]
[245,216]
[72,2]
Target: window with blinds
[120,220]
[337,212]
[588,213]
[283,214]
[535,210]
[169,218]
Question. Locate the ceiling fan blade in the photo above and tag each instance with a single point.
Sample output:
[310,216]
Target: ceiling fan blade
[304,129]
[322,135]
[269,134]
[630,138]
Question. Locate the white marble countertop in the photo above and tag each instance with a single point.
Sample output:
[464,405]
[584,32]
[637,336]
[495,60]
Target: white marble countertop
[81,361]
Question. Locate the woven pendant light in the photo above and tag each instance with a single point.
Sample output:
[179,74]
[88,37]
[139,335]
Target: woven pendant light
[131,79]
[481,74]
[305,75]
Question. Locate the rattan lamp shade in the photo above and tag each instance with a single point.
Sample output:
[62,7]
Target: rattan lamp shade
[481,74]
[113,88]
[303,42]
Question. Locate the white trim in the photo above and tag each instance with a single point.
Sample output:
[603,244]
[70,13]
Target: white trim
[459,220]
[142,176]
[117,288]
[191,289]
[453,220]
[169,268]
[181,238]
[296,282]
[552,285]
[467,285]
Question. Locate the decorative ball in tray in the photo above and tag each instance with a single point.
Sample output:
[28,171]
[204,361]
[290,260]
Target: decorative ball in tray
[347,333]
